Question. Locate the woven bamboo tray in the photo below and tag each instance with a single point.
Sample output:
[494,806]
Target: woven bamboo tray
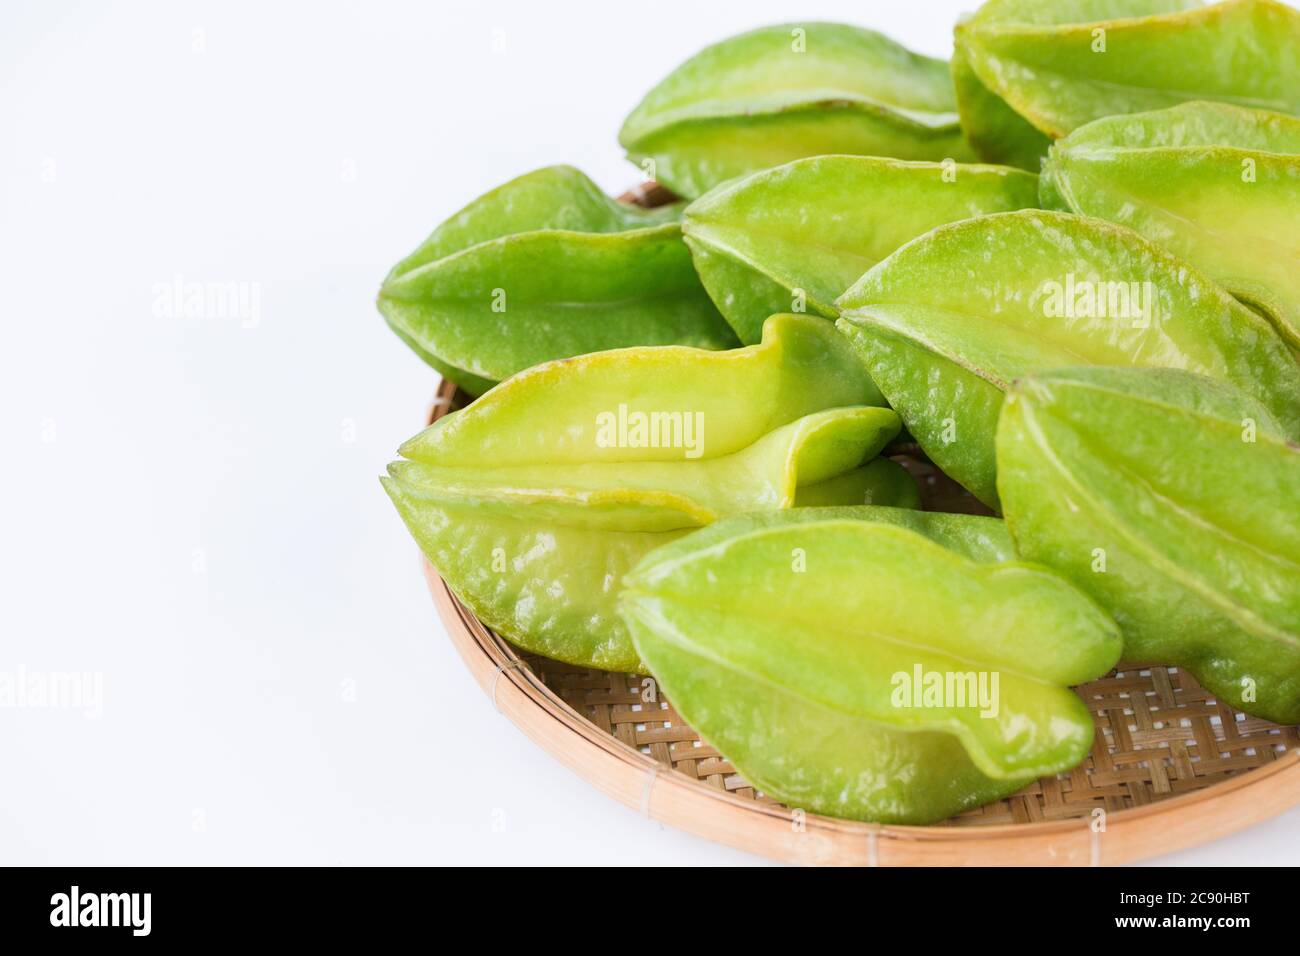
[1170,766]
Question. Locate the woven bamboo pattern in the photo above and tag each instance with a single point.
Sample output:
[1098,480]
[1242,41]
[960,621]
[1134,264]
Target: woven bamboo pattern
[1159,734]
[1160,739]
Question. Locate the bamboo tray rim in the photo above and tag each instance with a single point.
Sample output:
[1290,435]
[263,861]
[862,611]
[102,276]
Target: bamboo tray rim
[641,782]
[520,695]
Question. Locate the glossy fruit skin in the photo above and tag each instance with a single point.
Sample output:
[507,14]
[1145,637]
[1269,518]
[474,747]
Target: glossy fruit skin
[780,638]
[1141,487]
[1217,185]
[949,320]
[1027,71]
[798,235]
[785,92]
[547,267]
[532,516]
[997,132]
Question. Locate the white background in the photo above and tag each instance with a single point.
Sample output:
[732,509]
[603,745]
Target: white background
[190,506]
